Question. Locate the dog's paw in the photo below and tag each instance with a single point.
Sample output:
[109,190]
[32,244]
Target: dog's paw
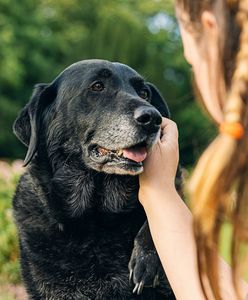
[144,269]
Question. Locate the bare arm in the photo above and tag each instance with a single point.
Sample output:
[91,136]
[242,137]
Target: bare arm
[170,221]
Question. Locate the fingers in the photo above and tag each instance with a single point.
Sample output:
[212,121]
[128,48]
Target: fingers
[165,122]
[169,131]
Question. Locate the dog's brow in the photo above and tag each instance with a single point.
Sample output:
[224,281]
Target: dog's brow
[106,73]
[136,81]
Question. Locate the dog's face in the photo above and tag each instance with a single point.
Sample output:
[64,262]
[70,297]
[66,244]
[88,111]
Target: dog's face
[104,112]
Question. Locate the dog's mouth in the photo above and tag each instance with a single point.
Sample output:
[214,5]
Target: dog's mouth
[135,153]
[127,160]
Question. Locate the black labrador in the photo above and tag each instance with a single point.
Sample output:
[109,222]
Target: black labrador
[83,233]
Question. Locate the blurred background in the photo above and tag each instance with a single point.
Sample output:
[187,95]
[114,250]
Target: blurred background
[40,38]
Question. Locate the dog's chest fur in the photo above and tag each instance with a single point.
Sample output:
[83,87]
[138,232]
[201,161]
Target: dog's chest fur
[97,242]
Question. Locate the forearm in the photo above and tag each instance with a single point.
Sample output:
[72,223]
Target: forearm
[170,223]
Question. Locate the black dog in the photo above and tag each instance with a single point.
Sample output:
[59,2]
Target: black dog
[79,220]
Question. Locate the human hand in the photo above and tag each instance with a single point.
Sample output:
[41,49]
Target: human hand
[161,164]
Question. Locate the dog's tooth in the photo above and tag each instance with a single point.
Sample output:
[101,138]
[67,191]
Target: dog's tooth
[120,152]
[102,151]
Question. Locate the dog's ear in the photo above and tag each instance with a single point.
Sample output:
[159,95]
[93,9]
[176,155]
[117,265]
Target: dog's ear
[28,124]
[158,101]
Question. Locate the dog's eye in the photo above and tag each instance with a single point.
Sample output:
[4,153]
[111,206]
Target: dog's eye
[144,93]
[97,86]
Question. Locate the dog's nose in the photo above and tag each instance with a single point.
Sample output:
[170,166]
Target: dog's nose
[147,116]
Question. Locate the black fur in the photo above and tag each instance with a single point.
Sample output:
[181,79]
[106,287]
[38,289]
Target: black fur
[77,212]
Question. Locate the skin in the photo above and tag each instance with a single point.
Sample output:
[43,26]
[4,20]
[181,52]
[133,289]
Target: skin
[202,54]
[170,221]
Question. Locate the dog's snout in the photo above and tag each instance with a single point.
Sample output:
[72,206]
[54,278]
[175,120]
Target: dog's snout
[147,116]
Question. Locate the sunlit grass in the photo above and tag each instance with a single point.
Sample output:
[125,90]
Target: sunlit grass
[225,246]
[9,255]
[225,242]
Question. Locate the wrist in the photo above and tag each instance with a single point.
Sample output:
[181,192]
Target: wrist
[149,195]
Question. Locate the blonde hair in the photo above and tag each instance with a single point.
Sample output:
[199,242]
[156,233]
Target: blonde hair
[219,186]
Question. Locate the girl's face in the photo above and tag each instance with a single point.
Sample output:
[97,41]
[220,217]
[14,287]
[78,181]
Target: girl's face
[201,52]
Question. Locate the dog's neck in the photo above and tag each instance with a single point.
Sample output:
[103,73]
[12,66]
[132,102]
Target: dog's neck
[75,191]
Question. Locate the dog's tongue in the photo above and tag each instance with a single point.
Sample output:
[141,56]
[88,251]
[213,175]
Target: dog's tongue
[136,154]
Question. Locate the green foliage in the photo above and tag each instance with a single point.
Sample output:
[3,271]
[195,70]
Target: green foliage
[40,38]
[9,256]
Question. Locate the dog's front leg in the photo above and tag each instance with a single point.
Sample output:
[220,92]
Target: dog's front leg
[144,266]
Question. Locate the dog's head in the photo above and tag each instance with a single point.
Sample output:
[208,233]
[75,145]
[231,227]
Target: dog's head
[104,114]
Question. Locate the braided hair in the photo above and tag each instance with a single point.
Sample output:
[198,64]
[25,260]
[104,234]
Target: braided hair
[218,189]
